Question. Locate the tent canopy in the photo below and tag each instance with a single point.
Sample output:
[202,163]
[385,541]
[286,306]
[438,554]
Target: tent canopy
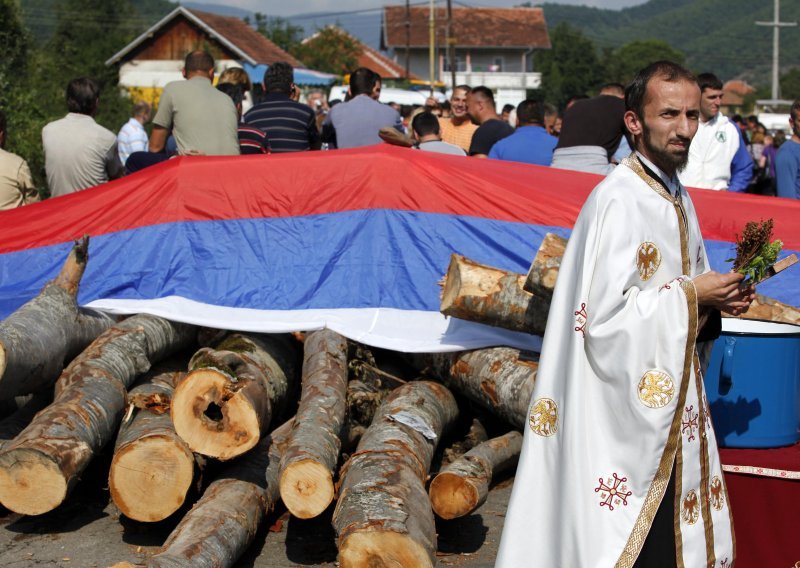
[304,77]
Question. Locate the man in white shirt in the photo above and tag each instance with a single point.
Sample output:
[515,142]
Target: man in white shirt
[132,136]
[718,156]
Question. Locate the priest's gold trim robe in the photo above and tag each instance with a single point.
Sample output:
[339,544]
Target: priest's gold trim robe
[619,399]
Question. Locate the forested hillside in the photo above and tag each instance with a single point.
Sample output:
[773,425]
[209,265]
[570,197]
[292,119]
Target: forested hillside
[717,35]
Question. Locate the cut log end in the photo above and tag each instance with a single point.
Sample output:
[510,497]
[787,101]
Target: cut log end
[211,419]
[306,488]
[31,482]
[452,496]
[149,479]
[452,284]
[379,549]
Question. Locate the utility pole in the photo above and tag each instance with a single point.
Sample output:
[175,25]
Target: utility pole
[408,39]
[451,44]
[432,43]
[776,26]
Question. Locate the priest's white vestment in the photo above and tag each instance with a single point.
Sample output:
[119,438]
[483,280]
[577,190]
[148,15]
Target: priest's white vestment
[619,397]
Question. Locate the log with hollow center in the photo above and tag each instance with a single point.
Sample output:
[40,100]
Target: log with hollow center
[224,405]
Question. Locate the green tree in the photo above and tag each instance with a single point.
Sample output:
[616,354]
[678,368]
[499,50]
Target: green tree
[622,64]
[790,85]
[331,50]
[17,90]
[571,67]
[279,31]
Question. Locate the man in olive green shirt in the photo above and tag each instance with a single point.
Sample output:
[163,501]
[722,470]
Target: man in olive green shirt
[202,119]
[16,187]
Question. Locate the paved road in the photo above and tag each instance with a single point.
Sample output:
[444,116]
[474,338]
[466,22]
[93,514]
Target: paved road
[87,531]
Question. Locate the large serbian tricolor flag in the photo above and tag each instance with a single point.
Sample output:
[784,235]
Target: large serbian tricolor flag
[355,240]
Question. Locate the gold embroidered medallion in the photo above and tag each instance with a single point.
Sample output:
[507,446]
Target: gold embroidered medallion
[648,259]
[543,417]
[716,493]
[656,389]
[691,508]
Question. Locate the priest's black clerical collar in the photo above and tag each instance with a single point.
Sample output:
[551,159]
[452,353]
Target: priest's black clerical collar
[670,185]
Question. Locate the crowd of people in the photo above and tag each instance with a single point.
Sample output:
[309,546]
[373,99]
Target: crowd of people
[197,117]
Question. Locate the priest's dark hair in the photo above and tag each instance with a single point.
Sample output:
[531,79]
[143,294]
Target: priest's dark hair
[82,95]
[636,92]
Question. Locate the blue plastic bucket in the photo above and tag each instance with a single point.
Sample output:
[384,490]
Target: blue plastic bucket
[753,384]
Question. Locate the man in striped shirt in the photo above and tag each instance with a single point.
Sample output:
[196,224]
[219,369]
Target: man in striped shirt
[290,125]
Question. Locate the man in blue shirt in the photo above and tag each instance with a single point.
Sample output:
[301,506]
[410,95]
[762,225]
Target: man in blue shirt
[530,143]
[357,122]
[787,161]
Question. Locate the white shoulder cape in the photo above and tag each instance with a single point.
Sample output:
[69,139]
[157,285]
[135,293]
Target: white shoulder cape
[618,397]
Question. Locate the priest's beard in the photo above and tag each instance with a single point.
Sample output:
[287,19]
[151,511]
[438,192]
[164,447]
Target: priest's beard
[670,162]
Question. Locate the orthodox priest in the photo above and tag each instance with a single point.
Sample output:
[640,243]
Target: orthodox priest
[620,466]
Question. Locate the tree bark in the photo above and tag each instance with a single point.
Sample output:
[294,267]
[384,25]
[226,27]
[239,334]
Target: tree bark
[41,466]
[499,378]
[462,486]
[491,296]
[225,404]
[542,275]
[152,468]
[12,425]
[476,435]
[223,523]
[383,516]
[38,339]
[770,309]
[312,452]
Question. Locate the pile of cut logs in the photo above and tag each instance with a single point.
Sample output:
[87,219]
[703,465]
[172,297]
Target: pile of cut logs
[305,418]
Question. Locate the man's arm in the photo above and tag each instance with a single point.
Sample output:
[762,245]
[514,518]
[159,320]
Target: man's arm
[786,172]
[741,167]
[398,123]
[158,138]
[162,122]
[314,140]
[328,134]
[25,184]
[114,167]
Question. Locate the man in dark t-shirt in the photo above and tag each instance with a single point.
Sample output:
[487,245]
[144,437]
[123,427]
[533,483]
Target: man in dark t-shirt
[480,105]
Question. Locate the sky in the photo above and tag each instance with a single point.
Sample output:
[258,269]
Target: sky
[282,8]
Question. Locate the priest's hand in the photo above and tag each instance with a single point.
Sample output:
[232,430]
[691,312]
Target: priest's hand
[724,292]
